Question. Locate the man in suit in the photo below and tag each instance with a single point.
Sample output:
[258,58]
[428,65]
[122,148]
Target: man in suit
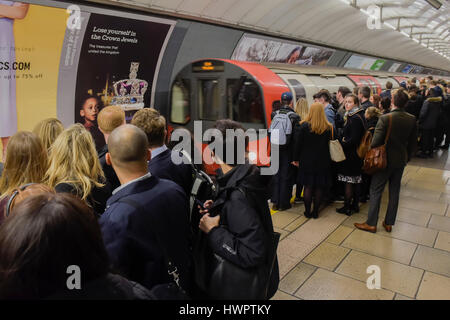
[400,147]
[364,97]
[145,224]
[387,92]
[108,119]
[161,164]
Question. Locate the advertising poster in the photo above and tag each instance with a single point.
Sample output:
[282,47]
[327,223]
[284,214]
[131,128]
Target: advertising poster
[378,65]
[418,70]
[394,67]
[117,66]
[261,49]
[31,40]
[407,69]
[53,67]
[364,63]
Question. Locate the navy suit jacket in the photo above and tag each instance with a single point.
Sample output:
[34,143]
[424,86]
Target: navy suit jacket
[163,167]
[129,232]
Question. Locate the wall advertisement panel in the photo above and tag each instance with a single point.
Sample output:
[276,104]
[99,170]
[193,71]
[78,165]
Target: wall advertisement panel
[54,63]
[364,63]
[264,49]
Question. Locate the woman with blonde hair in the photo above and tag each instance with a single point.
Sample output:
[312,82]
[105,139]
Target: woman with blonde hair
[75,168]
[312,152]
[48,130]
[302,108]
[26,162]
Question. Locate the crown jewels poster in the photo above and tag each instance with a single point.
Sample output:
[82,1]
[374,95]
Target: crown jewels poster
[117,66]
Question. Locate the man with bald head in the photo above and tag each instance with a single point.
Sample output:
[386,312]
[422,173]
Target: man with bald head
[146,218]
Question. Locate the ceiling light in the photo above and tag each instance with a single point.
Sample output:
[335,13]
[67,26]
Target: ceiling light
[434,3]
[405,34]
[390,25]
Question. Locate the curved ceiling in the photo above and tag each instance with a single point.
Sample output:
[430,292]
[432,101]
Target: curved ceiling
[409,30]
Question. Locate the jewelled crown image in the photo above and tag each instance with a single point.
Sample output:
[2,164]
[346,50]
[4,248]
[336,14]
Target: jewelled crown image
[129,93]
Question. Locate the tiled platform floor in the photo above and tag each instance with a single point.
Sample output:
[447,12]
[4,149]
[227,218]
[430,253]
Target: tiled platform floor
[327,258]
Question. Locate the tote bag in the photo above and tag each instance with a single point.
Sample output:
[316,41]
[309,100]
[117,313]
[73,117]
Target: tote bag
[336,152]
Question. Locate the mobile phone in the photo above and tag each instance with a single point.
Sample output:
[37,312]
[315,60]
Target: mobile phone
[200,203]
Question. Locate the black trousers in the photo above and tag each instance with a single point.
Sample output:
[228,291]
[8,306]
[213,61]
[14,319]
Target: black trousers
[439,135]
[379,181]
[282,181]
[427,140]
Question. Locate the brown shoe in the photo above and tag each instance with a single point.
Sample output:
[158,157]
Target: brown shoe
[388,228]
[364,226]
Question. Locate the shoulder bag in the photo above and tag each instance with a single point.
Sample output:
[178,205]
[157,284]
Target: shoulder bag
[336,152]
[221,279]
[376,159]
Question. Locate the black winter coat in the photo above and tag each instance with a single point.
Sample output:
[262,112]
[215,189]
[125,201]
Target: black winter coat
[445,112]
[313,150]
[366,104]
[243,236]
[429,115]
[372,124]
[413,107]
[354,130]
[96,200]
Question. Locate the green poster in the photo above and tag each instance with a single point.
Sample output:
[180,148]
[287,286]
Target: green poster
[378,64]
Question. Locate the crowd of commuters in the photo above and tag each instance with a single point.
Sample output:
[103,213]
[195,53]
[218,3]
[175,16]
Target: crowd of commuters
[409,120]
[123,214]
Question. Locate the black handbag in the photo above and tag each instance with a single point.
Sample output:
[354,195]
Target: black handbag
[231,282]
[221,279]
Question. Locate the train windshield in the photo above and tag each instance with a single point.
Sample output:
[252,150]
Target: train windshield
[181,106]
[209,99]
[244,100]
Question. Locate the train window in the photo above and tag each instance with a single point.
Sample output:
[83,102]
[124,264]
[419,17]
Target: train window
[181,107]
[245,100]
[209,99]
[299,89]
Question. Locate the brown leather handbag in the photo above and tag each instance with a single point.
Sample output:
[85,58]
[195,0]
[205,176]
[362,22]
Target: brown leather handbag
[376,159]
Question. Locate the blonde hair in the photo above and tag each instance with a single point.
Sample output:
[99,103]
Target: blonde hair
[153,124]
[26,162]
[73,160]
[110,118]
[373,112]
[302,108]
[317,119]
[48,130]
